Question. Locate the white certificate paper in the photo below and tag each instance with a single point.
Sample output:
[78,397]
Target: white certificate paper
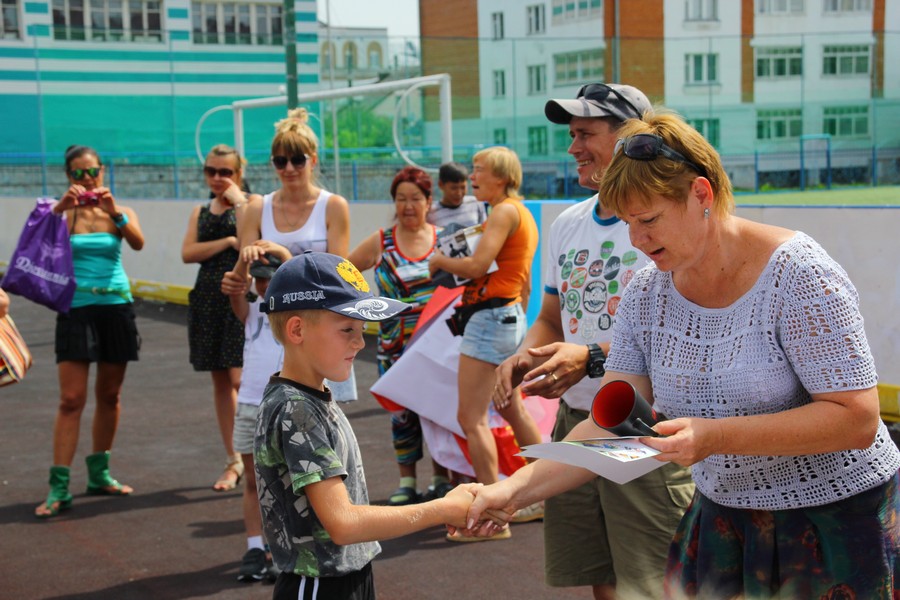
[618,459]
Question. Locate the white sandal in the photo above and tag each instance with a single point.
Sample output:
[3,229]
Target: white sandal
[231,476]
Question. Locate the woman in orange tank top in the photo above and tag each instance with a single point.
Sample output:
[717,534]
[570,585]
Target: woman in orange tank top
[495,300]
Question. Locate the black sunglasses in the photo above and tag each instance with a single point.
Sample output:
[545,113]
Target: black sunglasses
[600,91]
[212,172]
[648,146]
[298,160]
[78,174]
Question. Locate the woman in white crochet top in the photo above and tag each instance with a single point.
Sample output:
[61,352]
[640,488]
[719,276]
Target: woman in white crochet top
[748,337]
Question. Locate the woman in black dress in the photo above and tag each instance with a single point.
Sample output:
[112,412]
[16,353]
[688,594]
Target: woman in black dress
[216,336]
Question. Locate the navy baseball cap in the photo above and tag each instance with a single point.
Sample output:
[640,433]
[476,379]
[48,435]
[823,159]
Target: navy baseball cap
[318,280]
[262,270]
[614,100]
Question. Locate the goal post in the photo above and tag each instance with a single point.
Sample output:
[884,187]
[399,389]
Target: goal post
[441,80]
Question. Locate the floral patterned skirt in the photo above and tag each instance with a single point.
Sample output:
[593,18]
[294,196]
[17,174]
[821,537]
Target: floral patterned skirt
[845,550]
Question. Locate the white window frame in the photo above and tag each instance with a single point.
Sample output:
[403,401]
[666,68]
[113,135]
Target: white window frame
[780,7]
[779,124]
[497,26]
[267,17]
[499,78]
[537,79]
[846,121]
[536,20]
[10,28]
[538,141]
[843,60]
[774,58]
[578,67]
[563,11]
[710,128]
[846,6]
[701,10]
[701,69]
[87,32]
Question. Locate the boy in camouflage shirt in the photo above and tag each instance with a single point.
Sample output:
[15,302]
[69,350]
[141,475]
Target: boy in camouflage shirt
[312,489]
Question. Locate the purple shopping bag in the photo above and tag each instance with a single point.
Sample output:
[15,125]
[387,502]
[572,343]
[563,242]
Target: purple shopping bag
[41,266]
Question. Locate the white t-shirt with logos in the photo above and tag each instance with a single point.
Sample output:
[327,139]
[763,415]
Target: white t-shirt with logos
[588,263]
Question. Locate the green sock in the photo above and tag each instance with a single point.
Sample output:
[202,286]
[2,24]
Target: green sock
[437,480]
[409,482]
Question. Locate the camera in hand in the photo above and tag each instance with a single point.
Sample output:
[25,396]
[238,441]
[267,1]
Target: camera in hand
[88,199]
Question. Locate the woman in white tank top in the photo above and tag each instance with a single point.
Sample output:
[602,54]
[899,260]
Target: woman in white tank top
[300,216]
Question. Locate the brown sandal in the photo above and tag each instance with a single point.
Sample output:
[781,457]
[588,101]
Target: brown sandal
[231,476]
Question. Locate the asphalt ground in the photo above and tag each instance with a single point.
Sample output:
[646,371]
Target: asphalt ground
[176,538]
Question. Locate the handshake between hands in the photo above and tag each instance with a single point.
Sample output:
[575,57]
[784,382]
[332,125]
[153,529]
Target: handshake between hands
[477,510]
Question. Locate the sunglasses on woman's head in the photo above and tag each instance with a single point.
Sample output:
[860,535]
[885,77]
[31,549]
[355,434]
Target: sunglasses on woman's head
[298,160]
[648,146]
[212,172]
[78,174]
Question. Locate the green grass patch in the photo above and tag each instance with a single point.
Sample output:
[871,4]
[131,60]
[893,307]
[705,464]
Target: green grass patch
[885,195]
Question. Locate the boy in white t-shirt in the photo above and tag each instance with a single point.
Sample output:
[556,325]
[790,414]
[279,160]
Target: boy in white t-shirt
[263,356]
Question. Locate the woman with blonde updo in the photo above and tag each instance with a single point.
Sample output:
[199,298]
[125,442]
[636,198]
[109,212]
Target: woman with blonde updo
[300,216]
[215,335]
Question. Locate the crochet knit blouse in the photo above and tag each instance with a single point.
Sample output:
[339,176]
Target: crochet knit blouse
[797,331]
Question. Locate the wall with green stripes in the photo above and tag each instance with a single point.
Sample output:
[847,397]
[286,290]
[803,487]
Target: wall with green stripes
[140,97]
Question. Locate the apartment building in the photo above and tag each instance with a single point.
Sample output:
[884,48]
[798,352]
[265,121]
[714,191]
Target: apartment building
[760,78]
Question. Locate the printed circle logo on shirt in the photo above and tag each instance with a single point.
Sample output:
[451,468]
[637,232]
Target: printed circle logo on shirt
[562,259]
[565,287]
[606,249]
[629,258]
[582,257]
[612,268]
[573,325]
[572,301]
[604,322]
[627,276]
[578,277]
[613,305]
[566,270]
[595,296]
[596,268]
[613,287]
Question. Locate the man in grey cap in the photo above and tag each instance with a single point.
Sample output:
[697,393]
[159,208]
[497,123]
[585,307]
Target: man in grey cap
[612,537]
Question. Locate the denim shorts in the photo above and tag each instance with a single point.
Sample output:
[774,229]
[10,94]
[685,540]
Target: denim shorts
[494,334]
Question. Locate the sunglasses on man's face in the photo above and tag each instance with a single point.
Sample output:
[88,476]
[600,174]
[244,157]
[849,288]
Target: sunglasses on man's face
[298,160]
[647,146]
[212,172]
[600,91]
[78,174]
